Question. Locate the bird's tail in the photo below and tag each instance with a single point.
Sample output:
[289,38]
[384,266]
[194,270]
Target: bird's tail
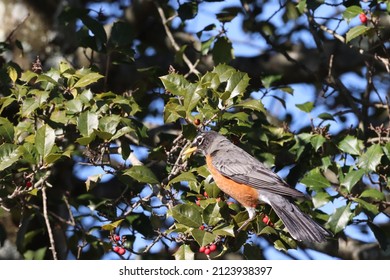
[299,225]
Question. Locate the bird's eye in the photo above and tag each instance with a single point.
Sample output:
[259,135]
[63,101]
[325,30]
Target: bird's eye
[199,140]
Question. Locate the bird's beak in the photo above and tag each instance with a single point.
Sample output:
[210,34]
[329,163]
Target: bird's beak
[189,151]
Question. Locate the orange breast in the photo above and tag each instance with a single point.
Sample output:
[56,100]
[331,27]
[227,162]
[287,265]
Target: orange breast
[244,194]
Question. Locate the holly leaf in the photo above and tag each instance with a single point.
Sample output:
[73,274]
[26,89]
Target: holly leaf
[175,84]
[184,252]
[202,237]
[315,180]
[44,140]
[212,214]
[222,51]
[142,174]
[371,158]
[251,104]
[355,32]
[305,107]
[340,219]
[88,79]
[9,154]
[87,123]
[352,178]
[183,177]
[351,145]
[188,215]
[373,209]
[351,12]
[113,225]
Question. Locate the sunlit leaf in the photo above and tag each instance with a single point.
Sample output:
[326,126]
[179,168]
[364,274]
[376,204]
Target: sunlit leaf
[212,214]
[371,208]
[373,194]
[351,145]
[87,80]
[45,140]
[92,181]
[340,218]
[175,84]
[356,31]
[305,107]
[113,225]
[184,252]
[12,73]
[9,154]
[191,98]
[224,231]
[252,104]
[237,84]
[317,141]
[371,158]
[29,105]
[351,12]
[321,199]
[7,130]
[351,178]
[87,122]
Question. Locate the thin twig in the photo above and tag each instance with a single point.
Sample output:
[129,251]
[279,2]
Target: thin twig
[49,231]
[73,222]
[342,39]
[191,66]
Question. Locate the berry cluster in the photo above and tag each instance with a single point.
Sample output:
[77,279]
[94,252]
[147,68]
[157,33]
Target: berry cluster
[208,249]
[118,244]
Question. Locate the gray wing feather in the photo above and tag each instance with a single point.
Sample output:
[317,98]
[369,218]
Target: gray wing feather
[236,164]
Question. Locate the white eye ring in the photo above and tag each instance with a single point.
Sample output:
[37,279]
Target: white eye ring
[199,140]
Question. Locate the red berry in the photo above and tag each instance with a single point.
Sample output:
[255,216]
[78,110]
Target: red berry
[207,251]
[28,184]
[117,237]
[197,122]
[213,247]
[265,220]
[121,251]
[205,194]
[201,227]
[363,18]
[202,249]
[116,249]
[197,202]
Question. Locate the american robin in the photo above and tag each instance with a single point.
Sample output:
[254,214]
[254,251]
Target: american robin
[250,182]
